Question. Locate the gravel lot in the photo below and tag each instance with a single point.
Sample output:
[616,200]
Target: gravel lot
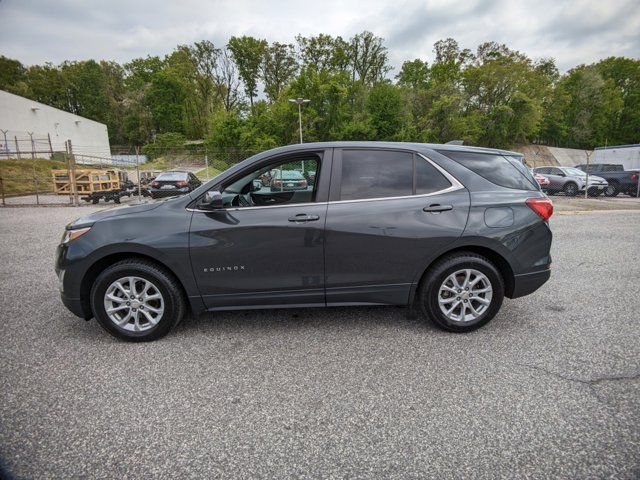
[551,388]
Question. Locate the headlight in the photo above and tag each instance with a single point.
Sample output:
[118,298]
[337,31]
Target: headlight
[70,235]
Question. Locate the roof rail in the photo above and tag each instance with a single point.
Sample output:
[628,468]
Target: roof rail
[455,142]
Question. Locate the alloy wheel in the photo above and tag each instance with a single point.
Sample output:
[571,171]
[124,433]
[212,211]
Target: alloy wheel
[465,295]
[134,304]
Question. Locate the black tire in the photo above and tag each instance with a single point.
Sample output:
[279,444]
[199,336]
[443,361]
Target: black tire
[594,192]
[167,284]
[570,189]
[612,190]
[436,276]
[116,199]
[95,200]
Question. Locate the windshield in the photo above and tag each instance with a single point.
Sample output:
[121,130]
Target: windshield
[288,175]
[172,176]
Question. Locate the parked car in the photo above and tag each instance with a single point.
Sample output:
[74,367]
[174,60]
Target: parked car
[310,176]
[571,181]
[168,184]
[619,180]
[543,181]
[287,180]
[445,229]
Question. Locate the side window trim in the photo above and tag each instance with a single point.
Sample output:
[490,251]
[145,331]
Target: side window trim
[336,177]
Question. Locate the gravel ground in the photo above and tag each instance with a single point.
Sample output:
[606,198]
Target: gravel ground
[550,388]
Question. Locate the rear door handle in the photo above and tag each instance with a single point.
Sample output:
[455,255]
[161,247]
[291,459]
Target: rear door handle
[437,208]
[303,217]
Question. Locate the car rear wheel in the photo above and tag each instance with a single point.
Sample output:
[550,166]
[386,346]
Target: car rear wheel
[136,300]
[570,189]
[462,292]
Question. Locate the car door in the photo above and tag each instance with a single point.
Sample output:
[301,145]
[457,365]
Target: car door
[267,252]
[390,213]
[557,179]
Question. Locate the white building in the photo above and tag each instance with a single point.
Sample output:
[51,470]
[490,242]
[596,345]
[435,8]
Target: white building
[627,155]
[22,120]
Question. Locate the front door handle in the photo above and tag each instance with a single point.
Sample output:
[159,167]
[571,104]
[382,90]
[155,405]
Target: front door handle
[437,208]
[303,217]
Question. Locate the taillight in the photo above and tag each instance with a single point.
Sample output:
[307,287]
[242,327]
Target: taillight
[277,183]
[634,176]
[303,182]
[182,183]
[155,184]
[543,207]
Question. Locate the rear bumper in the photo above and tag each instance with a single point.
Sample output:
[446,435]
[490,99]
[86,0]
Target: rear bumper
[527,283]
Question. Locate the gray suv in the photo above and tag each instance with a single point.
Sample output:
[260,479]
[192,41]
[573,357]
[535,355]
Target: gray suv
[571,181]
[445,229]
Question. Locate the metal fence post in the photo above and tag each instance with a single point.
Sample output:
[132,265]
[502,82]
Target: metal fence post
[138,173]
[35,180]
[206,162]
[6,142]
[586,185]
[15,137]
[2,187]
[50,145]
[33,145]
[74,185]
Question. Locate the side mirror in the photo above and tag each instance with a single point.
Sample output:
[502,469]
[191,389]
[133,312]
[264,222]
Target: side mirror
[256,186]
[212,200]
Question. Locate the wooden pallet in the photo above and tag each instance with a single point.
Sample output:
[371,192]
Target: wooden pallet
[88,181]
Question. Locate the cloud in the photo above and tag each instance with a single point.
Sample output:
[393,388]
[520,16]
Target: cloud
[575,32]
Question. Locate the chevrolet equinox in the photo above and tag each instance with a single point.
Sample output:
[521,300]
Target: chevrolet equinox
[449,230]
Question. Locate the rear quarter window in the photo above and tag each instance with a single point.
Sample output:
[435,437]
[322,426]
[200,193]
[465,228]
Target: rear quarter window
[498,169]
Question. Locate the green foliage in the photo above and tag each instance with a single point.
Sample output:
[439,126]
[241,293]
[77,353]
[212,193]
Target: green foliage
[494,96]
[163,143]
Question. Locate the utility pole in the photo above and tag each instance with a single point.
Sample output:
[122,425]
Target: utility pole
[300,102]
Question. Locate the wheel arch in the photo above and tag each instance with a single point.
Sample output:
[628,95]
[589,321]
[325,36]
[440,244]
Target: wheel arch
[100,264]
[501,263]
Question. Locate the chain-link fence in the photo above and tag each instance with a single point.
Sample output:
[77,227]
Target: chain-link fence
[33,173]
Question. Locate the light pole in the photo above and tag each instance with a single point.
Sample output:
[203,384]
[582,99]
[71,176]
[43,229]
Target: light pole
[300,102]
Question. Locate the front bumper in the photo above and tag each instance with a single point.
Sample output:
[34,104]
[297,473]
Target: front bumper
[527,283]
[75,306]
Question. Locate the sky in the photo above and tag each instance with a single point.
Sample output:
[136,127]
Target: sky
[572,32]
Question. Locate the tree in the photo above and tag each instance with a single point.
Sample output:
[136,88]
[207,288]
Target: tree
[324,52]
[11,72]
[414,74]
[384,106]
[278,68]
[369,58]
[248,53]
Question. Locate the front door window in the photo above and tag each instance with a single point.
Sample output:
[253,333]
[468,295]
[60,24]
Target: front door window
[291,181]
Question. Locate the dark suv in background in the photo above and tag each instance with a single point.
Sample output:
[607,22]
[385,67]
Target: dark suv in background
[168,184]
[450,230]
[619,180]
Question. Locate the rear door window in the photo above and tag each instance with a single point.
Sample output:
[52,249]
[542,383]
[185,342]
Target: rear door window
[376,174]
[387,173]
[497,169]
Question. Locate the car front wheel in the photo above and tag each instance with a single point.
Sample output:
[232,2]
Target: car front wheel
[570,189]
[611,190]
[462,292]
[136,300]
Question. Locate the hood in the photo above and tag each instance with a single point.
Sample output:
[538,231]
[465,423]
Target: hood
[595,178]
[113,212]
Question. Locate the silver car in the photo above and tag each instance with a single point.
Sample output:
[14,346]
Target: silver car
[571,181]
